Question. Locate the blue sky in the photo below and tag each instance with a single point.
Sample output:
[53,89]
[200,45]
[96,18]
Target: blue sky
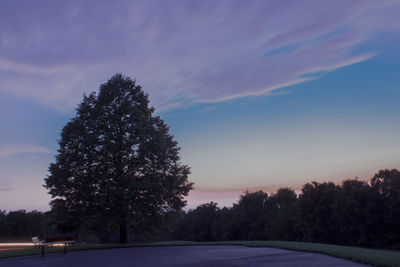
[258,94]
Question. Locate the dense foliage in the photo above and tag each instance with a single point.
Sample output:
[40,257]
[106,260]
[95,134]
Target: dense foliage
[20,225]
[353,213]
[117,166]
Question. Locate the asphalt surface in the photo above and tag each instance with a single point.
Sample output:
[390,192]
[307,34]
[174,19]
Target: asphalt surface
[180,256]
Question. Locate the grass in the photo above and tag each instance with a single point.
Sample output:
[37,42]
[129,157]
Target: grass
[375,257]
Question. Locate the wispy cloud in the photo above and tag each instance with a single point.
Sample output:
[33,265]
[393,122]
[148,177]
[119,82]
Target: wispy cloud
[180,51]
[208,109]
[11,149]
[5,188]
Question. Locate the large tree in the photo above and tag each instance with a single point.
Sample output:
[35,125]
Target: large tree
[117,163]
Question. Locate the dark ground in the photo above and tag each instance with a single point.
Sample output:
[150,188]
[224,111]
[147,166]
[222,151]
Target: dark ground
[180,256]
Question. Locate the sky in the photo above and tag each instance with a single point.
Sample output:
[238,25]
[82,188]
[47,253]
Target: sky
[259,94]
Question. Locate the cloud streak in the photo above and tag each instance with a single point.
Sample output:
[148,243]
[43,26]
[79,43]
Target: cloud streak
[12,149]
[5,188]
[180,51]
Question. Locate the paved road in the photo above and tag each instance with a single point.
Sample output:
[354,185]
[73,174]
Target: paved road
[180,256]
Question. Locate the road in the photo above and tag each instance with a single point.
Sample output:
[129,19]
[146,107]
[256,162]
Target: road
[180,256]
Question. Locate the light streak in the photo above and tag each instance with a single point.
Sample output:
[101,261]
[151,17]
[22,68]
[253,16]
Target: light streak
[16,244]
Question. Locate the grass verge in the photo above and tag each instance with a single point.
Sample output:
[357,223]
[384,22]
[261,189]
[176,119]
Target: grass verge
[375,257]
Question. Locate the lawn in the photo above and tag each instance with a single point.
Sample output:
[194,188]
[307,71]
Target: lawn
[375,257]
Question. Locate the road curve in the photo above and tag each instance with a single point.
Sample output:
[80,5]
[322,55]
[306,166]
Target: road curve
[180,256]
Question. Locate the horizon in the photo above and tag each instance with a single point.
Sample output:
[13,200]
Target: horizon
[258,96]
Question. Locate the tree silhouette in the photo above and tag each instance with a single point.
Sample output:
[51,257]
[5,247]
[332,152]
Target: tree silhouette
[387,184]
[357,213]
[283,223]
[117,163]
[316,206]
[250,215]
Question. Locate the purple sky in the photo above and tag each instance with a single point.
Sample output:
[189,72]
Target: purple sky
[240,83]
[182,51]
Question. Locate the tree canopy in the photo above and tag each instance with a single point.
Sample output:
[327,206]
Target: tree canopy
[117,164]
[354,213]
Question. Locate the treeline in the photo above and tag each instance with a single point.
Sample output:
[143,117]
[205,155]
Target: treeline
[19,226]
[354,213]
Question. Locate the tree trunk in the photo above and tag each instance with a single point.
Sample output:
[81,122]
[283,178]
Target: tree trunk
[123,232]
